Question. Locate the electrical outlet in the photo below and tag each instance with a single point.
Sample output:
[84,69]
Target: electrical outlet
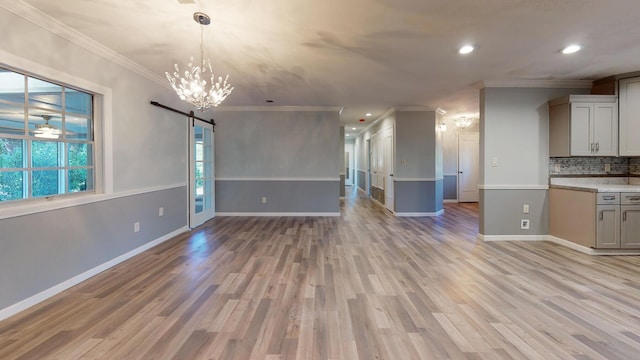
[264,199]
[556,168]
[607,168]
[525,209]
[524,224]
[160,211]
[136,226]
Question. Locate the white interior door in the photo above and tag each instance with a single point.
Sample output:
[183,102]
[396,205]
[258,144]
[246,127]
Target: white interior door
[348,164]
[201,173]
[388,172]
[468,166]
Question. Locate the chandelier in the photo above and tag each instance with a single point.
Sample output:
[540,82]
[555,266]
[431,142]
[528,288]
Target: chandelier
[464,122]
[46,131]
[192,85]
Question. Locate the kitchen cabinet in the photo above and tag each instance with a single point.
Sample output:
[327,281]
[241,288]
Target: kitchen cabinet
[630,224]
[583,125]
[608,221]
[596,220]
[629,94]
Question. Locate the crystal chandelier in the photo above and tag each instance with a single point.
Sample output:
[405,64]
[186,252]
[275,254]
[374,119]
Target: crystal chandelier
[192,86]
[464,122]
[45,130]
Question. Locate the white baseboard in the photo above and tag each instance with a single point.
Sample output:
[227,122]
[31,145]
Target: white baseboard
[449,201]
[419,214]
[512,237]
[52,291]
[559,241]
[286,214]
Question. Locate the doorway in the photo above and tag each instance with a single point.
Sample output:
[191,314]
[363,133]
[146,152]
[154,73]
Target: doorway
[201,173]
[349,164]
[468,166]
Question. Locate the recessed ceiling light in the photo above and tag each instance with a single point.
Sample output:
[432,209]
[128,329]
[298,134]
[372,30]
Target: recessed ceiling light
[571,49]
[368,114]
[353,128]
[347,135]
[466,49]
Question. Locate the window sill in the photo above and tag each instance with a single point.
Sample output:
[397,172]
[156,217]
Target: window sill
[10,210]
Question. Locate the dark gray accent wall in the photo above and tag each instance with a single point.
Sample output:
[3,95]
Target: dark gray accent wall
[42,250]
[450,187]
[233,196]
[362,180]
[504,210]
[418,196]
[342,190]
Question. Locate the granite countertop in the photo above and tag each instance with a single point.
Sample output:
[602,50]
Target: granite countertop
[596,184]
[607,188]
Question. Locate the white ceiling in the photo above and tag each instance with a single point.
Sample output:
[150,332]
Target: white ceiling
[367,55]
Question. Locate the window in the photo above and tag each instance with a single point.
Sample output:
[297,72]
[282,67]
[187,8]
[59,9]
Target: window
[46,138]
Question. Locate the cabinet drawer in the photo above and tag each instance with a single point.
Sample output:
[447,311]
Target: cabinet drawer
[609,198]
[630,198]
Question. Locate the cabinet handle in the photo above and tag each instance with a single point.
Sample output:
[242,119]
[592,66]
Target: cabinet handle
[601,215]
[635,198]
[609,198]
[624,215]
[597,146]
[592,147]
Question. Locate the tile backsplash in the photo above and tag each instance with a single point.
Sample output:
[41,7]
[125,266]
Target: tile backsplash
[593,166]
[634,166]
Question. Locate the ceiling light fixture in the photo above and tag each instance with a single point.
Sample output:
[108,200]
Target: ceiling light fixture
[466,49]
[571,49]
[46,131]
[464,122]
[192,86]
[368,114]
[353,128]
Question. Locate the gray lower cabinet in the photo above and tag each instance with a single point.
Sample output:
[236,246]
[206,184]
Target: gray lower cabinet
[608,221]
[608,227]
[630,226]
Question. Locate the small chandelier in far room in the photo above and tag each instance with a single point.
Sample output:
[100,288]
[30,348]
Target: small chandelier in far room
[46,131]
[192,85]
[464,122]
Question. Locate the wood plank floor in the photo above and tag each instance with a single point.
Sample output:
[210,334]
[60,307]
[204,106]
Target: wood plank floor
[366,285]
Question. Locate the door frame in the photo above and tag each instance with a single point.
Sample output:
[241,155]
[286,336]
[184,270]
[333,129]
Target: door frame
[476,136]
[197,218]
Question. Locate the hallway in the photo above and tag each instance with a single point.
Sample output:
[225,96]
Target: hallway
[366,285]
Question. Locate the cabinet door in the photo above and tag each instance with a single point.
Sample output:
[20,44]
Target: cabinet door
[581,137]
[608,227]
[629,97]
[605,129]
[630,227]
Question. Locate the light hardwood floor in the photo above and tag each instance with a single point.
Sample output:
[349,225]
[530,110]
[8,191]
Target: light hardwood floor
[366,285]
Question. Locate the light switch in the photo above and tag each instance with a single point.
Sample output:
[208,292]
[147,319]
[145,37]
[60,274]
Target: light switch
[494,162]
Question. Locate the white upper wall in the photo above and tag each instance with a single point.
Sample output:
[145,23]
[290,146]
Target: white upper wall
[514,126]
[149,145]
[278,144]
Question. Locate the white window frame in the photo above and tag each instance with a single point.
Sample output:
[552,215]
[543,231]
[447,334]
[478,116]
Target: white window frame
[103,139]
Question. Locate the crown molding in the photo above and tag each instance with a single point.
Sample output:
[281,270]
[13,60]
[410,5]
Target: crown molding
[54,26]
[278,108]
[523,83]
[419,108]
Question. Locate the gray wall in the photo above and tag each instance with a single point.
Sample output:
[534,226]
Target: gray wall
[148,151]
[450,187]
[41,250]
[514,128]
[299,148]
[419,162]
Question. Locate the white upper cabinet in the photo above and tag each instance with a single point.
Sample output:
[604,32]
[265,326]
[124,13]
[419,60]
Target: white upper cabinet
[629,92]
[583,125]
